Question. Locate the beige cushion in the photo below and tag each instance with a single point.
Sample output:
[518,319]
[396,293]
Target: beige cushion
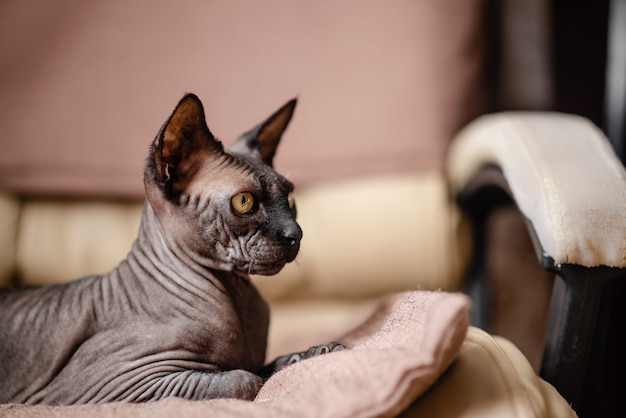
[9,215]
[61,240]
[490,378]
[362,237]
[86,85]
[564,175]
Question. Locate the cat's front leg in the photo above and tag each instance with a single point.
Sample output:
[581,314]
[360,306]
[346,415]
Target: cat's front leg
[198,385]
[284,361]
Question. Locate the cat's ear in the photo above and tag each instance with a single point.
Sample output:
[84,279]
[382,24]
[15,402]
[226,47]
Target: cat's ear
[183,145]
[264,138]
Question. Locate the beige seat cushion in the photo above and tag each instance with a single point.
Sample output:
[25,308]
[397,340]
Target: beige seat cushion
[362,237]
[490,378]
[9,219]
[62,240]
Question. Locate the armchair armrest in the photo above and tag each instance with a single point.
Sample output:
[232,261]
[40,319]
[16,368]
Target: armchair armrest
[562,175]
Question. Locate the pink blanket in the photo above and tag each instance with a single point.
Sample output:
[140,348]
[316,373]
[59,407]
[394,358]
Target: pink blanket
[395,356]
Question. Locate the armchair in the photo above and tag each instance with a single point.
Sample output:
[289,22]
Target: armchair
[563,176]
[379,164]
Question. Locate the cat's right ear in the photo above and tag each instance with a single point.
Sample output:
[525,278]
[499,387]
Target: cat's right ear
[182,146]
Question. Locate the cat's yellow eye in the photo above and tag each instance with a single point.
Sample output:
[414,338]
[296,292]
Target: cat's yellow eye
[243,202]
[291,200]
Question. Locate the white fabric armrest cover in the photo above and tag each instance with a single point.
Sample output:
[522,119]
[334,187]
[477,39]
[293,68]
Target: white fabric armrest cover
[564,177]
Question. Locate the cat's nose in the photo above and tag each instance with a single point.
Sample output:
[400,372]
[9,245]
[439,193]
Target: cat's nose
[292,234]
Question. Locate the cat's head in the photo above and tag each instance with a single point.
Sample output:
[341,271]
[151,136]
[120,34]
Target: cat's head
[224,208]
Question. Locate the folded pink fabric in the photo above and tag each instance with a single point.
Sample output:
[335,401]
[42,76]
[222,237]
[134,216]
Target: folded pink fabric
[394,357]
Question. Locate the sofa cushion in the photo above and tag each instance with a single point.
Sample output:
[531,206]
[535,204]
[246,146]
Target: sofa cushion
[86,86]
[491,378]
[9,215]
[62,240]
[362,237]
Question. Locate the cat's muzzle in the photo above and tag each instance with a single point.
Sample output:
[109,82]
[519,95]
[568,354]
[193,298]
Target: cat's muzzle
[274,257]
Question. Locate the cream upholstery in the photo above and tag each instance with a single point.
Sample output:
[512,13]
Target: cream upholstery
[9,216]
[490,378]
[564,176]
[408,216]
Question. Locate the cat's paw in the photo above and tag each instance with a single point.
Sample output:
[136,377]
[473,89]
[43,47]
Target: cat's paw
[318,350]
[284,361]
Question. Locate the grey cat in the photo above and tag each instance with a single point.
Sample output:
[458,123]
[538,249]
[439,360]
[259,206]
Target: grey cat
[179,316]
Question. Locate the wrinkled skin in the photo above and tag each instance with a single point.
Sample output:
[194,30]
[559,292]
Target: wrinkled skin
[179,316]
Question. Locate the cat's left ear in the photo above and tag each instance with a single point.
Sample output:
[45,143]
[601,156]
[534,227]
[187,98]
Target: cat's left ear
[264,138]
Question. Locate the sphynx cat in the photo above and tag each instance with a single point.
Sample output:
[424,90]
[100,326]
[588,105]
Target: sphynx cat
[179,316]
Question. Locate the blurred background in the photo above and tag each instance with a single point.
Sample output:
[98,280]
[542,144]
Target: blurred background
[85,85]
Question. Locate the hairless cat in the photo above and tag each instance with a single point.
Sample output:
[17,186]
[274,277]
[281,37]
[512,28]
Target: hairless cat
[179,316]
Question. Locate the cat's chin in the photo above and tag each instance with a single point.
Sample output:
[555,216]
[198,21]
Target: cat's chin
[263,270]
